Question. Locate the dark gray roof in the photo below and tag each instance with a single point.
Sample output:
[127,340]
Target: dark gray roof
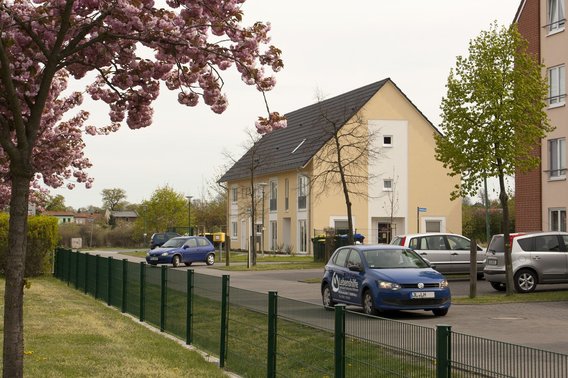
[294,146]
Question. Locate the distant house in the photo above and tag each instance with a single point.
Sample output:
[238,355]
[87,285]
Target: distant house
[406,171]
[114,217]
[86,218]
[62,216]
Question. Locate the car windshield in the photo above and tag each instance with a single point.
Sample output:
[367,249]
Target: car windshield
[393,259]
[174,243]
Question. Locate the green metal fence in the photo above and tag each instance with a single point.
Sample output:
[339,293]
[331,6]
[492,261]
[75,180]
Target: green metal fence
[256,334]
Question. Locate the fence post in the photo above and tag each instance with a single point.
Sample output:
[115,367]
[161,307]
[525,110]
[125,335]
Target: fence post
[109,281]
[87,255]
[68,268]
[98,257]
[443,350]
[224,320]
[163,297]
[142,289]
[189,309]
[272,331]
[340,341]
[124,284]
[76,270]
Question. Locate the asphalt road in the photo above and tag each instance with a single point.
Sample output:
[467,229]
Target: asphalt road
[539,325]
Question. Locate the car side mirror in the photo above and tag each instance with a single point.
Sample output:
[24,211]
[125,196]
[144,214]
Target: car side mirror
[185,246]
[355,267]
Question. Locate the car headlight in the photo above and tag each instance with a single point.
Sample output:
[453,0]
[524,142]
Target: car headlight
[164,254]
[444,284]
[388,285]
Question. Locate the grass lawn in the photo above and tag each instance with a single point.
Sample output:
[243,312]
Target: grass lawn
[70,334]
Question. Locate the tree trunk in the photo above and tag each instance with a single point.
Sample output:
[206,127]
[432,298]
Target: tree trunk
[504,199]
[13,351]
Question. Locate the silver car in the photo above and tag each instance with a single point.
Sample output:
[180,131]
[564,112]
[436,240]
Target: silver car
[449,253]
[537,258]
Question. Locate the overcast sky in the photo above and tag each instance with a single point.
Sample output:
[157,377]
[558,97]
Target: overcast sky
[328,46]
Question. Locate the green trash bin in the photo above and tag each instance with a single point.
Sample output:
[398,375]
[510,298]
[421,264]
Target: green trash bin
[319,248]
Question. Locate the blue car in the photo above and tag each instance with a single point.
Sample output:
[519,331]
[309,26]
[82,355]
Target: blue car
[384,277]
[183,249]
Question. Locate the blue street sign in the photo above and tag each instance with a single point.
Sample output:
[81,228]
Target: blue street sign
[422,209]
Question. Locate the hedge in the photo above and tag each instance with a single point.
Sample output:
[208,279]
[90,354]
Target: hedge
[43,237]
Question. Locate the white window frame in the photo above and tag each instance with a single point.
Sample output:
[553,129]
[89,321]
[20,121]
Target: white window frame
[556,16]
[302,235]
[303,183]
[234,230]
[556,86]
[560,214]
[557,159]
[273,235]
[423,221]
[385,143]
[387,185]
[273,185]
[234,194]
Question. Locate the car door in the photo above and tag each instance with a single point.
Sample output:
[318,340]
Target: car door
[203,249]
[549,258]
[339,291]
[434,249]
[354,277]
[460,254]
[190,251]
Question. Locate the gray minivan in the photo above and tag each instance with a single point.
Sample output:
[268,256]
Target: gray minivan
[537,258]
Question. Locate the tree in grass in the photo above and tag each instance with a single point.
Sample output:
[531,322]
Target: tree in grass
[492,116]
[124,50]
[113,198]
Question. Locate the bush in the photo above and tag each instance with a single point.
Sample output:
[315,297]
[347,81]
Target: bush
[43,237]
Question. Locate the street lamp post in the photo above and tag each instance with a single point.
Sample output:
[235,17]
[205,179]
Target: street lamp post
[189,215]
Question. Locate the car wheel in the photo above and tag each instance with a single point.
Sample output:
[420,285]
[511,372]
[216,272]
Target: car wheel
[440,311]
[498,286]
[368,304]
[187,264]
[328,303]
[210,259]
[525,281]
[176,260]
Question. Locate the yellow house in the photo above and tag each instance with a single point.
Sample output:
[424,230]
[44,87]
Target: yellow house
[404,189]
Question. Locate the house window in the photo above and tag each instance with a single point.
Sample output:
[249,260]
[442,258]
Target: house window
[341,226]
[556,15]
[234,194]
[302,192]
[387,185]
[273,195]
[387,141]
[557,158]
[557,219]
[234,230]
[286,194]
[273,235]
[556,86]
[303,235]
[433,226]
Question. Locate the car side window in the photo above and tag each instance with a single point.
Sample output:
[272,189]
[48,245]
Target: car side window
[527,244]
[435,243]
[565,239]
[414,243]
[354,258]
[457,243]
[341,257]
[202,242]
[547,243]
[191,243]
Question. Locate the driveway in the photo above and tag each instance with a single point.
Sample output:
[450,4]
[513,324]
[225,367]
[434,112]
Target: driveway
[539,325]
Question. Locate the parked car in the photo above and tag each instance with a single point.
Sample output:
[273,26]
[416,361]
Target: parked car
[183,249]
[160,238]
[537,258]
[383,277]
[448,253]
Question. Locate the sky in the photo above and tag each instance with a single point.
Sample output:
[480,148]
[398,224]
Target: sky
[328,47]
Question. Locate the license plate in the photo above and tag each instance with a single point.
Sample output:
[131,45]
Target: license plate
[491,262]
[153,259]
[422,294]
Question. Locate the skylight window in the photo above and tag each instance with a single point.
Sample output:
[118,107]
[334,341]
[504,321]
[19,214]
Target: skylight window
[302,142]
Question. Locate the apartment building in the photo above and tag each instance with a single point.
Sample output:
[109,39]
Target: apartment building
[542,194]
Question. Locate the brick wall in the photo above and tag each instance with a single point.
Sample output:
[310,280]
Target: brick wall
[528,186]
